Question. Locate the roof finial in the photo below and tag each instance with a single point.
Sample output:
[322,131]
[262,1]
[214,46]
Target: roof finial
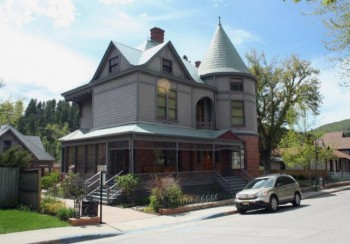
[219,20]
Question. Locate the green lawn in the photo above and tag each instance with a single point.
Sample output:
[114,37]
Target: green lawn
[15,220]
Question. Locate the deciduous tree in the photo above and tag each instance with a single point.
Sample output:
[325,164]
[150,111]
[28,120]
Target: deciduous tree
[335,15]
[283,89]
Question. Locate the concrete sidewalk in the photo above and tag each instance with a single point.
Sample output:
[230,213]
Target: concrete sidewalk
[119,221]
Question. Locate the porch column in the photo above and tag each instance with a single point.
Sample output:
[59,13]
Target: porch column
[177,157]
[131,155]
[107,157]
[213,157]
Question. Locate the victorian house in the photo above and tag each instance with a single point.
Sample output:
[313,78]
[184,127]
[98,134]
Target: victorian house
[148,110]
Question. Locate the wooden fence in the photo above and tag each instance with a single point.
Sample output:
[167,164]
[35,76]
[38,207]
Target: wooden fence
[19,187]
[9,179]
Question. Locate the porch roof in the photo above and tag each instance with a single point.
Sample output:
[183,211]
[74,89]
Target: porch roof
[340,154]
[146,129]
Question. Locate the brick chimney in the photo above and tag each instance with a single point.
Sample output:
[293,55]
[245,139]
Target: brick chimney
[197,63]
[157,35]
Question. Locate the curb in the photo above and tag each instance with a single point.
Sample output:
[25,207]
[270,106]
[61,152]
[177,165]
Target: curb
[79,238]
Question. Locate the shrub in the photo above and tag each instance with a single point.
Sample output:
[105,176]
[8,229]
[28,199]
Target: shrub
[65,213]
[51,205]
[127,184]
[15,157]
[166,192]
[50,181]
[72,186]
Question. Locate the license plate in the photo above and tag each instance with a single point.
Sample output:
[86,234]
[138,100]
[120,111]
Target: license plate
[246,203]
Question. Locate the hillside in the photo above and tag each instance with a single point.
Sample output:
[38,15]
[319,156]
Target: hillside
[343,126]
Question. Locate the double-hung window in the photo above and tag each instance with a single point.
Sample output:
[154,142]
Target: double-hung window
[113,64]
[237,113]
[167,66]
[166,103]
[236,84]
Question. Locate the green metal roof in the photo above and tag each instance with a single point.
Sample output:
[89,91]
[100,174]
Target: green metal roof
[146,129]
[222,56]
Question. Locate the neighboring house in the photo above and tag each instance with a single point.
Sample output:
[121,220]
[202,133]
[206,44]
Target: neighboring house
[10,137]
[340,145]
[147,110]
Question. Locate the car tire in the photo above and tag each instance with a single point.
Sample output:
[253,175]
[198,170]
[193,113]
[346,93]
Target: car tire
[273,204]
[297,199]
[241,211]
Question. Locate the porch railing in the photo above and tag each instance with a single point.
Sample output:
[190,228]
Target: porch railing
[112,190]
[181,176]
[93,183]
[245,174]
[340,175]
[223,183]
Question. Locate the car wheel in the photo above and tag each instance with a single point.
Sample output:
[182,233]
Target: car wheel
[273,204]
[241,211]
[297,199]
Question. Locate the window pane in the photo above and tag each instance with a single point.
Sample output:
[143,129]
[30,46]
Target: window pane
[237,104]
[161,112]
[172,103]
[172,94]
[161,101]
[237,112]
[237,121]
[172,114]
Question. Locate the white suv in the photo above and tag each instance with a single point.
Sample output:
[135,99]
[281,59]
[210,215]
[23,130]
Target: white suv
[268,192]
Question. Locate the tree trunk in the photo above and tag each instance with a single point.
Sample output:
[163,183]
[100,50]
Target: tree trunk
[267,161]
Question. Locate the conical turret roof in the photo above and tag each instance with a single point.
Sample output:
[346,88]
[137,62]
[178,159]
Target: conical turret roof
[222,56]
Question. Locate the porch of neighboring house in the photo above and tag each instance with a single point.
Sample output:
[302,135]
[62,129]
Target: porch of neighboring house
[339,168]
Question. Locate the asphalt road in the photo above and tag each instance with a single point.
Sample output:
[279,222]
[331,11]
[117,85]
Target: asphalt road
[325,219]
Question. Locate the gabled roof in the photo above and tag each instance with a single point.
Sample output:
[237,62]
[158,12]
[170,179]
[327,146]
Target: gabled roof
[32,143]
[146,129]
[138,57]
[336,140]
[222,56]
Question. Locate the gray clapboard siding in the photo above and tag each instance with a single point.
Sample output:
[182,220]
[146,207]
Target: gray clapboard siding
[147,103]
[86,114]
[123,64]
[184,109]
[223,114]
[116,83]
[115,106]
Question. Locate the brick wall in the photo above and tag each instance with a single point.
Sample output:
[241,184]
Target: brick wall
[252,154]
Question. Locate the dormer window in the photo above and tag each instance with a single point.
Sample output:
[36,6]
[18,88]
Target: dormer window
[113,64]
[167,66]
[236,85]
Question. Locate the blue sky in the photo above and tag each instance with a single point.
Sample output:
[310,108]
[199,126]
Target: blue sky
[50,46]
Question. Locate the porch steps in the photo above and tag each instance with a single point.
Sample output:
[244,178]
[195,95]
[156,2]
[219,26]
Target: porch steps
[96,196]
[236,183]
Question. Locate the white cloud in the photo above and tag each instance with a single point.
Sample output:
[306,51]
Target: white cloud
[35,67]
[240,36]
[20,12]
